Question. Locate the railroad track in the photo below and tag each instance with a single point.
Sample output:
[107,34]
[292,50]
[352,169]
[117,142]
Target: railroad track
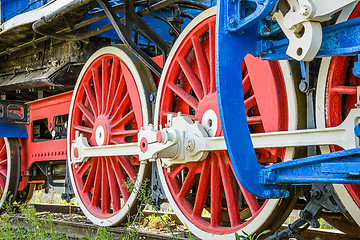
[79,230]
[83,228]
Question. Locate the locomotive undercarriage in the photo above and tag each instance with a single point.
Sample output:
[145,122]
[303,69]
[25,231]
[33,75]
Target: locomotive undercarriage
[45,69]
[152,109]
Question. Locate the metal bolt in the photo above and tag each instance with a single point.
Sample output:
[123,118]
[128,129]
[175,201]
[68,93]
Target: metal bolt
[268,194]
[285,193]
[304,10]
[267,45]
[152,97]
[277,193]
[55,63]
[233,23]
[190,144]
[316,193]
[306,215]
[303,86]
[271,176]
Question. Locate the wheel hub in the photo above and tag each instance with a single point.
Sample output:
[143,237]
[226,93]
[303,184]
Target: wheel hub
[208,113]
[101,132]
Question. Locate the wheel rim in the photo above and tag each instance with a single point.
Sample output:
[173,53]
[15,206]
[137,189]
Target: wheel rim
[9,169]
[108,107]
[341,98]
[336,96]
[188,86]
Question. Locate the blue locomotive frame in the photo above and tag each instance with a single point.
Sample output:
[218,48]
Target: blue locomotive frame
[239,35]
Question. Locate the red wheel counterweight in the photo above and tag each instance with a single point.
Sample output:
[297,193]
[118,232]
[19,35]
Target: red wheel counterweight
[107,109]
[210,188]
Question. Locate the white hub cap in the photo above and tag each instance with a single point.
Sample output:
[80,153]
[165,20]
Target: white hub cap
[210,122]
[100,136]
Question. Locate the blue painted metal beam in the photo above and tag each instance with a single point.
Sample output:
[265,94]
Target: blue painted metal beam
[232,45]
[13,130]
[339,39]
[231,48]
[338,167]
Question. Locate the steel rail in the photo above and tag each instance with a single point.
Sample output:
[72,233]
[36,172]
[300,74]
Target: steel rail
[78,230]
[85,228]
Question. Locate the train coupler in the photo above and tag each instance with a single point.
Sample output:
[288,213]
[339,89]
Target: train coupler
[323,196]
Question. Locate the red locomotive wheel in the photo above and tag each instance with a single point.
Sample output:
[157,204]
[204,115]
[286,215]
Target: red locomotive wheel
[109,107]
[206,195]
[336,96]
[9,169]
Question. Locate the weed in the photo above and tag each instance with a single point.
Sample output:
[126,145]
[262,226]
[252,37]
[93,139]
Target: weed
[144,199]
[324,224]
[250,237]
[156,222]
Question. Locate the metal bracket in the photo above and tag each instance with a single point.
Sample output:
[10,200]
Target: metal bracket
[322,196]
[44,168]
[301,25]
[157,191]
[69,191]
[14,112]
[125,32]
[238,17]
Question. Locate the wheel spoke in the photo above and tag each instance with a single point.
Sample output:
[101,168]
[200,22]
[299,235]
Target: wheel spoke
[91,177]
[116,141]
[216,193]
[97,86]
[83,129]
[187,184]
[3,172]
[176,170]
[203,189]
[122,108]
[124,133]
[3,162]
[345,90]
[121,179]
[115,70]
[128,167]
[95,201]
[125,120]
[119,93]
[89,115]
[131,87]
[192,78]
[246,84]
[105,79]
[202,64]
[81,170]
[92,98]
[114,188]
[3,153]
[192,101]
[254,120]
[250,102]
[230,192]
[105,188]
[251,200]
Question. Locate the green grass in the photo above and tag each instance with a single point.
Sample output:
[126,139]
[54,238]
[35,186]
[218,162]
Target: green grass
[38,229]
